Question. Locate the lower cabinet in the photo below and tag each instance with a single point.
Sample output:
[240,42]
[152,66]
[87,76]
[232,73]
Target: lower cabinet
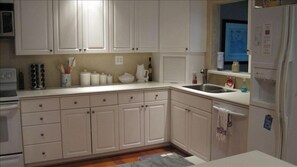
[105,129]
[156,122]
[76,132]
[131,125]
[190,129]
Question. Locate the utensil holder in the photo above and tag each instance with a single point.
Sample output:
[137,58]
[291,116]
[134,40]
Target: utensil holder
[66,80]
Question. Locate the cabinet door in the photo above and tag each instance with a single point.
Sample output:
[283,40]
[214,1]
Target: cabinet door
[121,17]
[199,133]
[67,26]
[105,136]
[131,125]
[95,26]
[174,25]
[34,27]
[76,132]
[179,124]
[156,122]
[147,26]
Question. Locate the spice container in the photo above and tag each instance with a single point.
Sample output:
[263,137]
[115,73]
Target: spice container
[235,66]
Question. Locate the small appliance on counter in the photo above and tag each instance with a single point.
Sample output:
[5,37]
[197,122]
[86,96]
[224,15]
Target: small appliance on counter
[37,76]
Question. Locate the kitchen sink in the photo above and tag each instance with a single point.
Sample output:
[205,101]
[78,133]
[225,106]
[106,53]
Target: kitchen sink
[209,88]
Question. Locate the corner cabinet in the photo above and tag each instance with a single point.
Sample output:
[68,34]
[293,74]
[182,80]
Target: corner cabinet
[80,26]
[33,27]
[134,25]
[185,30]
[191,124]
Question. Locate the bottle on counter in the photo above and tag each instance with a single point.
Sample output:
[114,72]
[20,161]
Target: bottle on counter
[150,70]
[220,61]
[244,87]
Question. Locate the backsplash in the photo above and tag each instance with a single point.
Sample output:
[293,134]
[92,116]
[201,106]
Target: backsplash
[92,62]
[221,79]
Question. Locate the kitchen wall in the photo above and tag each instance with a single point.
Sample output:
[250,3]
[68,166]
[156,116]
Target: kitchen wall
[221,79]
[99,62]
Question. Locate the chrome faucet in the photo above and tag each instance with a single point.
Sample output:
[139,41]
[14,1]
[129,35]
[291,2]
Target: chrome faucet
[203,71]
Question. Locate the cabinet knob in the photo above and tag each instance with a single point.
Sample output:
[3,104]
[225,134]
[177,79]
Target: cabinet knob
[75,102]
[51,50]
[41,118]
[79,50]
[42,134]
[93,112]
[88,112]
[43,153]
[142,106]
[132,48]
[131,97]
[146,105]
[40,105]
[187,49]
[85,49]
[136,48]
[156,96]
[104,100]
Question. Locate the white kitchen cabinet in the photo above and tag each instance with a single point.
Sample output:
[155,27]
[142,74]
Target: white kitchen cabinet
[191,123]
[134,26]
[33,27]
[80,26]
[131,119]
[76,132]
[105,132]
[179,124]
[156,122]
[185,30]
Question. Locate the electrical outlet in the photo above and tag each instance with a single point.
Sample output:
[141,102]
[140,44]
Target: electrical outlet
[119,60]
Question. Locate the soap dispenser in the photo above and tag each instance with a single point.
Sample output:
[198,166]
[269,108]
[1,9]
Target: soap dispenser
[244,87]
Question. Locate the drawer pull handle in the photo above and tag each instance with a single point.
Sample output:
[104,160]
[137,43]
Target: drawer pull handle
[93,112]
[156,96]
[131,97]
[43,153]
[41,118]
[42,134]
[146,105]
[40,105]
[104,100]
[88,112]
[75,102]
[142,106]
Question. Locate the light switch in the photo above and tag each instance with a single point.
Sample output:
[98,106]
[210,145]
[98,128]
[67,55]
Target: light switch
[119,60]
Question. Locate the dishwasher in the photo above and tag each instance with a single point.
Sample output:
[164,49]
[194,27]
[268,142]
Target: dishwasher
[236,139]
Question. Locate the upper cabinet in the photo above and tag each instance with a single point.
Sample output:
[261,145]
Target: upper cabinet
[80,26]
[185,30]
[134,26]
[34,27]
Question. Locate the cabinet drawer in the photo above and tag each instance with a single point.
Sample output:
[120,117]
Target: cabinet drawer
[131,97]
[41,133]
[40,105]
[194,101]
[75,102]
[104,99]
[40,118]
[43,152]
[155,95]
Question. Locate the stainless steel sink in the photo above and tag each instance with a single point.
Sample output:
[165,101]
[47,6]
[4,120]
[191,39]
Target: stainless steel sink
[209,88]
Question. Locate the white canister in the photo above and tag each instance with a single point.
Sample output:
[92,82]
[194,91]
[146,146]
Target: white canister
[103,79]
[220,61]
[109,79]
[85,78]
[95,79]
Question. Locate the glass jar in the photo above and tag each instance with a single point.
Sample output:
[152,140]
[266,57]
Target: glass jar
[235,66]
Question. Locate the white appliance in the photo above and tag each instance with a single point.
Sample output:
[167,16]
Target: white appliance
[273,109]
[11,147]
[236,140]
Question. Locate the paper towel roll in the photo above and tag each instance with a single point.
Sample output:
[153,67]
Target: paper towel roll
[95,79]
[85,78]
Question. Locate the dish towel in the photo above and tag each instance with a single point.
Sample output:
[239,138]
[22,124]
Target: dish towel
[224,121]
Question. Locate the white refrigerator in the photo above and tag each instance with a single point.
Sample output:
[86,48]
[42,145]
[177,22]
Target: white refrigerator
[273,109]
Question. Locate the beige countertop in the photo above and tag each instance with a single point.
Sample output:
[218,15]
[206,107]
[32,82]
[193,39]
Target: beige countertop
[234,97]
[249,159]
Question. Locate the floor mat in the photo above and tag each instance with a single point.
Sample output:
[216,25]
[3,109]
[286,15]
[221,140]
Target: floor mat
[171,160]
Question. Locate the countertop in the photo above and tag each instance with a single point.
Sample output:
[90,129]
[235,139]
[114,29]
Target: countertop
[249,159]
[235,97]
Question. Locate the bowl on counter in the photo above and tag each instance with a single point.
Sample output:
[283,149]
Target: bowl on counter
[126,78]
